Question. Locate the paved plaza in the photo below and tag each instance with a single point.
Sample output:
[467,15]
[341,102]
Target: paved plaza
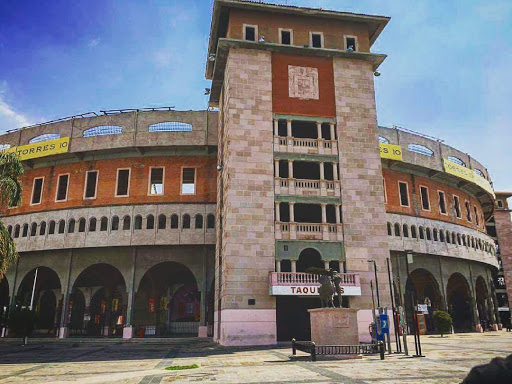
[106,361]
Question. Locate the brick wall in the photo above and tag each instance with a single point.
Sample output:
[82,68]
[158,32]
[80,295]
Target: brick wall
[205,183]
[415,209]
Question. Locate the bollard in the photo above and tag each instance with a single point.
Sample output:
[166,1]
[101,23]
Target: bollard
[313,351]
[381,350]
[294,349]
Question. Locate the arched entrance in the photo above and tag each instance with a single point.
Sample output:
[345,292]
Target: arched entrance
[4,302]
[292,311]
[167,302]
[426,291]
[47,299]
[482,303]
[458,297]
[98,302]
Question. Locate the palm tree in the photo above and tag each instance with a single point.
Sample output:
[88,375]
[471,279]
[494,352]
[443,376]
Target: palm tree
[10,195]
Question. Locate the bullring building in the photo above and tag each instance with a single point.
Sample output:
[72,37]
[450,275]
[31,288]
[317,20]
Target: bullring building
[156,222]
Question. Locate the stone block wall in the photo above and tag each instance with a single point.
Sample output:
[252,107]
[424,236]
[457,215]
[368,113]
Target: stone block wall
[504,231]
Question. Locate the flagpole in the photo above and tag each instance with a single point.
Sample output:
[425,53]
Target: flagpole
[33,290]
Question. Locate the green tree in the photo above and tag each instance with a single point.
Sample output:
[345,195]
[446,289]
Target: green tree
[442,322]
[10,196]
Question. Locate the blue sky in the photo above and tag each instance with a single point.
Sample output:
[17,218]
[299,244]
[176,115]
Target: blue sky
[448,71]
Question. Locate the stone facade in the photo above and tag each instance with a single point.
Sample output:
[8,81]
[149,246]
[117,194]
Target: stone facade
[504,231]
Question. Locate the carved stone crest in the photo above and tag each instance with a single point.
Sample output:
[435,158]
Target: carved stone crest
[303,83]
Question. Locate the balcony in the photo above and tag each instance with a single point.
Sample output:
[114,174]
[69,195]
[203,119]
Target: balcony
[306,284]
[308,231]
[305,146]
[305,187]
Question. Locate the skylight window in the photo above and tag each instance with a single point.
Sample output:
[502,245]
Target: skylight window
[478,172]
[383,140]
[102,130]
[44,137]
[456,160]
[170,126]
[421,149]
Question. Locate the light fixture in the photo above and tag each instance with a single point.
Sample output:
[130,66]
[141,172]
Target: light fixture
[212,57]
[376,73]
[219,167]
[262,39]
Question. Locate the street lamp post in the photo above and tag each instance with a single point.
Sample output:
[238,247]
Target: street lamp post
[376,280]
[415,327]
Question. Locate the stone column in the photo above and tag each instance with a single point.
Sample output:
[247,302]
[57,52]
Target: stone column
[289,139]
[324,213]
[128,324]
[335,171]
[65,315]
[292,212]
[294,265]
[290,169]
[276,127]
[276,167]
[293,228]
[319,130]
[322,172]
[331,126]
[337,211]
[278,265]
[326,264]
[278,212]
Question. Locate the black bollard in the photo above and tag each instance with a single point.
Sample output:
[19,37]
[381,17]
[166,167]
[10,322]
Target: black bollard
[313,351]
[294,349]
[381,350]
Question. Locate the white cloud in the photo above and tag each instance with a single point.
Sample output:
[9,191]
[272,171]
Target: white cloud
[9,117]
[93,42]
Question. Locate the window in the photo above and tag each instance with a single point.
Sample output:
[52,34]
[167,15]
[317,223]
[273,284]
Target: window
[425,202]
[91,184]
[351,43]
[428,233]
[150,222]
[123,182]
[186,221]
[9,229]
[441,235]
[500,204]
[479,172]
[115,224]
[25,230]
[17,231]
[404,193]
[44,137]
[468,211]
[383,140]
[405,230]
[71,226]
[62,188]
[156,181]
[37,191]
[250,32]
[188,181]
[448,237]
[170,126]
[62,227]
[81,225]
[174,221]
[397,229]
[126,223]
[422,233]
[442,202]
[456,206]
[477,221]
[92,224]
[102,130]
[286,36]
[456,160]
[420,149]
[390,229]
[316,39]
[199,222]
[210,221]
[137,222]
[413,231]
[42,228]
[103,224]
[33,229]
[436,234]
[162,222]
[51,228]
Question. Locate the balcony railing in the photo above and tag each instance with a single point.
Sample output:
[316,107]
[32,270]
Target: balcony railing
[306,284]
[309,231]
[305,187]
[305,145]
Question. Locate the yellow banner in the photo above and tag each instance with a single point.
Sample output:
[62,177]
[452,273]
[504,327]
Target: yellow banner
[391,151]
[467,174]
[44,148]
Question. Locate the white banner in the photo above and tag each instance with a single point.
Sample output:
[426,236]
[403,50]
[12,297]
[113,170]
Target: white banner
[309,290]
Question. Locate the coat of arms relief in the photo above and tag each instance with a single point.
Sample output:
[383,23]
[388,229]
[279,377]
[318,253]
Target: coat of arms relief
[303,83]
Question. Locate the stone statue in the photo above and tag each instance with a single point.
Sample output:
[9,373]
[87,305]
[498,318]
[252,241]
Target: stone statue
[330,281]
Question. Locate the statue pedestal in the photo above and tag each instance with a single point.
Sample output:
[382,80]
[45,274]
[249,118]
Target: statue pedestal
[334,326]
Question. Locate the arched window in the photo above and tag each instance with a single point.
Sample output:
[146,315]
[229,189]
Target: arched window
[199,221]
[479,172]
[454,238]
[186,221]
[170,126]
[115,224]
[421,149]
[428,232]
[405,230]
[473,243]
[397,229]
[9,229]
[383,140]
[33,229]
[210,221]
[456,160]
[71,226]
[127,223]
[174,221]
[441,235]
[51,229]
[150,222]
[436,235]
[448,239]
[92,224]
[137,222]
[413,232]
[162,221]
[102,130]
[103,224]
[17,231]
[390,229]
[44,137]
[81,225]
[422,233]
[464,240]
[459,239]
[62,226]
